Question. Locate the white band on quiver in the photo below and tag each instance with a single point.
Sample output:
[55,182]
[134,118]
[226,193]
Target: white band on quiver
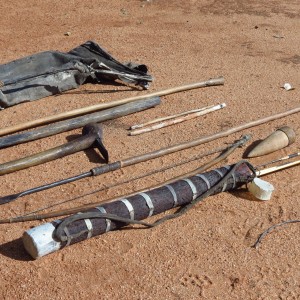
[89,227]
[108,221]
[149,203]
[129,207]
[192,186]
[171,189]
[204,179]
[233,177]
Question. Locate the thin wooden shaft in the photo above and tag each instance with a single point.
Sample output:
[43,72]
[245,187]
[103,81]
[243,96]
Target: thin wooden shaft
[177,120]
[277,168]
[279,159]
[100,106]
[136,126]
[263,120]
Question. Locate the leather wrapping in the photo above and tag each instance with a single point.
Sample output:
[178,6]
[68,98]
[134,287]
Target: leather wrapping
[53,72]
[162,200]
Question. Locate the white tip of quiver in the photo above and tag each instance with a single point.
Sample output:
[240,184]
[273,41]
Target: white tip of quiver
[261,189]
[39,240]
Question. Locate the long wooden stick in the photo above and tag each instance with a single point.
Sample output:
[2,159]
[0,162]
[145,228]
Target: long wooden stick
[177,120]
[73,123]
[96,107]
[279,159]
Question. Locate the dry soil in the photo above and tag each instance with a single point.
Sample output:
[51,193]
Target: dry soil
[207,253]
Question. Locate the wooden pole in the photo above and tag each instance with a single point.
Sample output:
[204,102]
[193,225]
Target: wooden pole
[100,106]
[70,124]
[279,159]
[206,139]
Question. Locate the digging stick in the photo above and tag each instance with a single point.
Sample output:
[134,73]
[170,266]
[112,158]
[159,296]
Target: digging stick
[70,124]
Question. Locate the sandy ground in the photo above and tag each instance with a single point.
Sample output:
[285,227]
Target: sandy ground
[207,253]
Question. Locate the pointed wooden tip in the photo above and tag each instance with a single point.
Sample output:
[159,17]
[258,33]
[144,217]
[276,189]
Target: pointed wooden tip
[279,139]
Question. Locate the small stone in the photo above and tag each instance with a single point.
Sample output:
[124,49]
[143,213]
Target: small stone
[288,87]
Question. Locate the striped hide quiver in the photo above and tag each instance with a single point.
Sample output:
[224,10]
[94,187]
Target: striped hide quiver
[43,240]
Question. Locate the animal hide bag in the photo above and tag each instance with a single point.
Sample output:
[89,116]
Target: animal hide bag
[52,72]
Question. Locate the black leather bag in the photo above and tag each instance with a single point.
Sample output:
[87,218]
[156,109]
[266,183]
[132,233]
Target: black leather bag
[52,72]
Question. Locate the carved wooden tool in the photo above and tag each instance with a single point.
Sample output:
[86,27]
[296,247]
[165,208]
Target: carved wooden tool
[91,137]
[279,139]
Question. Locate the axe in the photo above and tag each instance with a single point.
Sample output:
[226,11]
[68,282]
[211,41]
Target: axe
[91,137]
